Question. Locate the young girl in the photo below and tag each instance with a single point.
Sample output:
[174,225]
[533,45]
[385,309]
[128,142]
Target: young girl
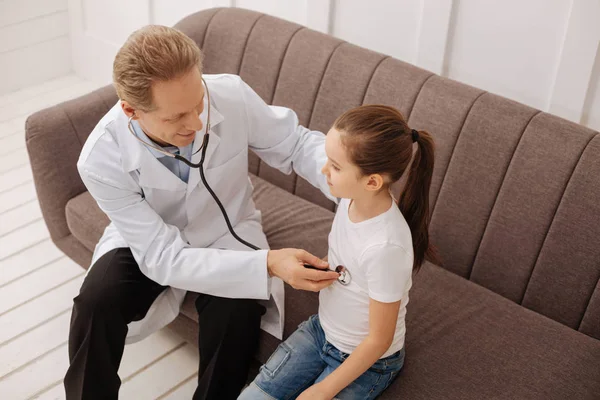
[354,347]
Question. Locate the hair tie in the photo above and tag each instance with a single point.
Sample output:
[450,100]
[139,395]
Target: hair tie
[415,135]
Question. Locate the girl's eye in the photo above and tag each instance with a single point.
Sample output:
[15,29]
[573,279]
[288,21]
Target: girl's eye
[335,168]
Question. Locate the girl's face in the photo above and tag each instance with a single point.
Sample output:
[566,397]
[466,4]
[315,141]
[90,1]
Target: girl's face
[344,178]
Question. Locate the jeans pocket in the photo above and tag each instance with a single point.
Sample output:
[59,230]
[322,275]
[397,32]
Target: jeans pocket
[379,367]
[277,360]
[396,361]
[334,353]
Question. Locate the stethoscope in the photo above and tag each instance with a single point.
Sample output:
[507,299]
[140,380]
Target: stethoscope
[345,278]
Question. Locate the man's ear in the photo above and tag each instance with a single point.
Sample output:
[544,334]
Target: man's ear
[375,182]
[128,110]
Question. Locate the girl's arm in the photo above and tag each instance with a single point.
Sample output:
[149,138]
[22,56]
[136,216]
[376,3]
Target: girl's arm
[382,326]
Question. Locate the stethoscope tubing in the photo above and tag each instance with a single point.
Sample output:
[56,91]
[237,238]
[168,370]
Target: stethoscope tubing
[344,277]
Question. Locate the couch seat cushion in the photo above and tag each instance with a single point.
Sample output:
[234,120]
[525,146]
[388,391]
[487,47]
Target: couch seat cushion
[85,219]
[463,341]
[467,342]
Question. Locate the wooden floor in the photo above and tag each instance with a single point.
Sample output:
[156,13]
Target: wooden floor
[38,282]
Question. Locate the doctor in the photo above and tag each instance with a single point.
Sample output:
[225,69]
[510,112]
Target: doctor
[167,234]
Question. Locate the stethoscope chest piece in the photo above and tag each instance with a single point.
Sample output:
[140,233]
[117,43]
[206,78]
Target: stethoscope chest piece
[345,277]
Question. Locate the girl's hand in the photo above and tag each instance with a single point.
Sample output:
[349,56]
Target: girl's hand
[314,392]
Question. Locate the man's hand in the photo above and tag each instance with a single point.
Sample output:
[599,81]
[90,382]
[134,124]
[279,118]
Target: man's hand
[288,264]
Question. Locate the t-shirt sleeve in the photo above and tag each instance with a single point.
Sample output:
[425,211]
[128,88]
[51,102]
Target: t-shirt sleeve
[388,269]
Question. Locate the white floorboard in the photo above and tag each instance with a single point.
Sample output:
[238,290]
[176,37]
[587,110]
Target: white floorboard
[19,217]
[33,91]
[38,282]
[56,392]
[12,126]
[160,377]
[22,238]
[25,262]
[16,197]
[15,177]
[184,391]
[12,142]
[30,345]
[22,108]
[38,375]
[38,311]
[13,160]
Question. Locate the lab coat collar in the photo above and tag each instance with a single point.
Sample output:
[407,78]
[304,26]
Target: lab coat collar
[137,156]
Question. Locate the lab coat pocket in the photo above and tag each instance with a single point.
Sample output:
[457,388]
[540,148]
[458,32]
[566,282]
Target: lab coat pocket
[228,178]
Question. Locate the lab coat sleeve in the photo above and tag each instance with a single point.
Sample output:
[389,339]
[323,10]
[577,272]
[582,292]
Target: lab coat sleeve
[277,138]
[161,252]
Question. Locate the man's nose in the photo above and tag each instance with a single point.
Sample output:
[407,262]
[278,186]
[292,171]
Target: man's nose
[193,122]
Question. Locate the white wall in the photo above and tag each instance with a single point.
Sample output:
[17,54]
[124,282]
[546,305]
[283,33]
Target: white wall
[544,53]
[34,42]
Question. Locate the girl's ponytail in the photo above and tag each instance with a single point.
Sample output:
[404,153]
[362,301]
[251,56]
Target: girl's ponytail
[379,141]
[414,200]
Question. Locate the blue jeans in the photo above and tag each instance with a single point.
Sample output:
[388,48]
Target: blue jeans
[306,358]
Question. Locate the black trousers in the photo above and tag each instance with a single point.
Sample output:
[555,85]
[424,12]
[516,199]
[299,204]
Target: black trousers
[114,293]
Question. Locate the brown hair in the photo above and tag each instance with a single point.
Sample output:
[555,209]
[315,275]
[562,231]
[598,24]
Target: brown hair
[379,141]
[152,53]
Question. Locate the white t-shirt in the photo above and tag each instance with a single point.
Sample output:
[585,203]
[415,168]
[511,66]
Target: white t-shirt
[378,254]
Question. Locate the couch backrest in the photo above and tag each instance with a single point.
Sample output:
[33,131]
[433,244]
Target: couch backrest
[515,195]
[516,192]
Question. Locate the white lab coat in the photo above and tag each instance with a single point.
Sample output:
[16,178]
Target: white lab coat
[175,230]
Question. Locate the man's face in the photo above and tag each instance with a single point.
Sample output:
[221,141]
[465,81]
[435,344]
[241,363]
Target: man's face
[178,105]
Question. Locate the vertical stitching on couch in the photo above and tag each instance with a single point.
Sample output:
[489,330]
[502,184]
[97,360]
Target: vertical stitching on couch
[72,126]
[241,64]
[412,107]
[208,26]
[499,190]
[552,220]
[312,111]
[588,303]
[371,78]
[285,52]
[321,82]
[452,152]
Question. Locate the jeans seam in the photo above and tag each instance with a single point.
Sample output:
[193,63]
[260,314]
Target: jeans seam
[376,384]
[262,390]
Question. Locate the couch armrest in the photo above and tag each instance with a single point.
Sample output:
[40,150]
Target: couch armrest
[54,139]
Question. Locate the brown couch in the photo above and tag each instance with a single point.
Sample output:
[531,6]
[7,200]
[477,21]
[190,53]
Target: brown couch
[514,313]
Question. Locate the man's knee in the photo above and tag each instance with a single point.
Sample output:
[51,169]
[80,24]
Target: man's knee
[98,297]
[102,288]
